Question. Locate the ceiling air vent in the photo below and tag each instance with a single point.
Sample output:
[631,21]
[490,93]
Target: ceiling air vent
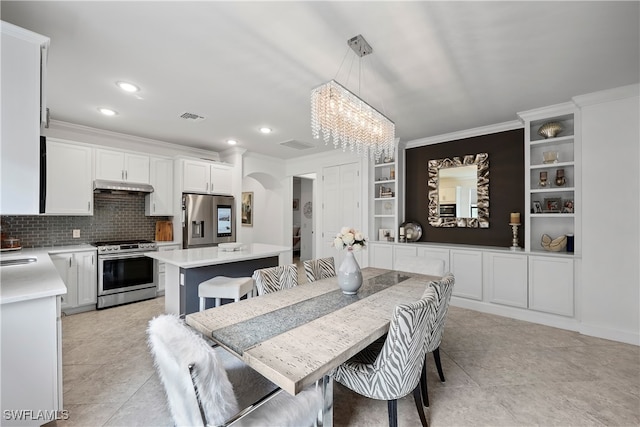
[191,117]
[298,145]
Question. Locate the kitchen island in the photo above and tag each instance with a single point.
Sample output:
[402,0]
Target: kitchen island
[187,268]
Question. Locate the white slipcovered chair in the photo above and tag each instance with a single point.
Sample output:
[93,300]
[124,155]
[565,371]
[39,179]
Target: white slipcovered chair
[209,386]
[395,371]
[319,268]
[274,279]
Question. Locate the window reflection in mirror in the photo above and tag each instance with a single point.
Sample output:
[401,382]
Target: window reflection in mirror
[458,191]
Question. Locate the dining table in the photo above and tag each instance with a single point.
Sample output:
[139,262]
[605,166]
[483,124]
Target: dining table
[295,337]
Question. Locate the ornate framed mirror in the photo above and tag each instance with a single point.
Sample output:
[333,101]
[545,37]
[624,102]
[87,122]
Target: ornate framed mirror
[459,191]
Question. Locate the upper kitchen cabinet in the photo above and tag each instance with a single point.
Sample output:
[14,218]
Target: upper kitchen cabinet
[160,202]
[23,73]
[206,177]
[122,166]
[69,189]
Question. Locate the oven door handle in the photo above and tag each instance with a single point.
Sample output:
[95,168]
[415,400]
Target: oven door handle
[123,255]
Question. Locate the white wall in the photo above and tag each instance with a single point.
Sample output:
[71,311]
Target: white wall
[306,224]
[610,288]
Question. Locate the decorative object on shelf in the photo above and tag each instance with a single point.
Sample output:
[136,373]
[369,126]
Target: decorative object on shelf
[387,208]
[537,207]
[392,174]
[514,222]
[560,179]
[552,205]
[567,206]
[401,235]
[570,242]
[550,157]
[543,179]
[349,121]
[553,245]
[385,235]
[385,192]
[349,274]
[550,129]
[412,231]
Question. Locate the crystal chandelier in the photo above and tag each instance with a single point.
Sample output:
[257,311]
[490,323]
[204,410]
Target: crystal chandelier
[347,120]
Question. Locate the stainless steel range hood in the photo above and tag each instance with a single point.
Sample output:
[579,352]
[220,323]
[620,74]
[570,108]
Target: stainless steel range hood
[104,186]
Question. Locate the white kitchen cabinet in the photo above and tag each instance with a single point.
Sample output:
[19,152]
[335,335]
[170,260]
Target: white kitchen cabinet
[447,195]
[507,275]
[160,267]
[206,177]
[69,178]
[31,360]
[78,271]
[122,166]
[551,284]
[466,266]
[23,73]
[160,201]
[381,256]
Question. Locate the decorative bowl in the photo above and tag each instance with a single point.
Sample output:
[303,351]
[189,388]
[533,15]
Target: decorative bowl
[554,245]
[550,130]
[230,247]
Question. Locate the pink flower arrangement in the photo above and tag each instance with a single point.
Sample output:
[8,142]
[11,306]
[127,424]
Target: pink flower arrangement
[350,238]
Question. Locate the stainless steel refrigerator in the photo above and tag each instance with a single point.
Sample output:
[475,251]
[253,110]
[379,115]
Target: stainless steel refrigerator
[207,220]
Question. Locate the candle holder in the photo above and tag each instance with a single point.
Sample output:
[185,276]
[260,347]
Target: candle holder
[514,241]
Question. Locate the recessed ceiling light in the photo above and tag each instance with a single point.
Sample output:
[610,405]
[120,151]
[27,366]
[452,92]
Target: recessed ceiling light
[265,130]
[127,87]
[107,111]
[232,141]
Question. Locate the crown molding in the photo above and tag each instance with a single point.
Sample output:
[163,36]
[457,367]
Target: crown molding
[469,133]
[608,95]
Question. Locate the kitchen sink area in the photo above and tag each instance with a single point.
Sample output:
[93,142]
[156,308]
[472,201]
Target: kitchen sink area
[17,261]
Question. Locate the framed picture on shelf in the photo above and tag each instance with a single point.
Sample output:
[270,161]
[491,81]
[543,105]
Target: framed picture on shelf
[296,202]
[537,207]
[567,206]
[552,204]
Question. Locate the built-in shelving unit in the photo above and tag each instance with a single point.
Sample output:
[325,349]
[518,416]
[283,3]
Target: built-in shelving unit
[551,182]
[385,201]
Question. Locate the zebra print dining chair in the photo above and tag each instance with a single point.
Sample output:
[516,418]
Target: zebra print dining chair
[395,370]
[274,279]
[444,289]
[320,268]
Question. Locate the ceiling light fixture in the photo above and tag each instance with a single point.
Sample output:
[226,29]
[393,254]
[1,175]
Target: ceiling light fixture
[349,121]
[128,87]
[265,130]
[232,141]
[107,111]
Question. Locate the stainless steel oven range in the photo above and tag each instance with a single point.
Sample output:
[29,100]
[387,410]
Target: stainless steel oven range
[124,273]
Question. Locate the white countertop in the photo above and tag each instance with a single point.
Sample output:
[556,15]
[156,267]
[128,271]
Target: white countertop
[200,257]
[38,279]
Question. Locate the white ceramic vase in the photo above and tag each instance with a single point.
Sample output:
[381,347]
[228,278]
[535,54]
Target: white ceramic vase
[349,275]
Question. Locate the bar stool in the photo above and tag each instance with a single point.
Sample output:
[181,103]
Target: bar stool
[224,287]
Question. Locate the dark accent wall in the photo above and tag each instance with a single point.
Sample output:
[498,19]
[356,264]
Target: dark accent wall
[115,217]
[506,187]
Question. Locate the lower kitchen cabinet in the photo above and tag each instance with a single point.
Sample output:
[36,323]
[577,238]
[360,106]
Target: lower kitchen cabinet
[160,267]
[551,285]
[466,266]
[79,273]
[507,275]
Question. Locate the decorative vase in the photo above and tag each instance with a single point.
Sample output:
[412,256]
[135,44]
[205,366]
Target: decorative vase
[349,275]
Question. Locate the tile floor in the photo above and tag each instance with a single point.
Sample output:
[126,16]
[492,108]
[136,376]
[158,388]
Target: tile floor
[499,372]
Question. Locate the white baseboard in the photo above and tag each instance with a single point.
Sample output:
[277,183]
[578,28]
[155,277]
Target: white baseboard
[561,322]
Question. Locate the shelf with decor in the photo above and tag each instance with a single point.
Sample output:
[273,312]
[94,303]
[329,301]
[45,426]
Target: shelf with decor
[385,201]
[552,174]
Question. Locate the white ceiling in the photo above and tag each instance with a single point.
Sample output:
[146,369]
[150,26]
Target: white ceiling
[437,67]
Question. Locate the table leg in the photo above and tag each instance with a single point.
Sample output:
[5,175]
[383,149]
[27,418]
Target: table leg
[325,418]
